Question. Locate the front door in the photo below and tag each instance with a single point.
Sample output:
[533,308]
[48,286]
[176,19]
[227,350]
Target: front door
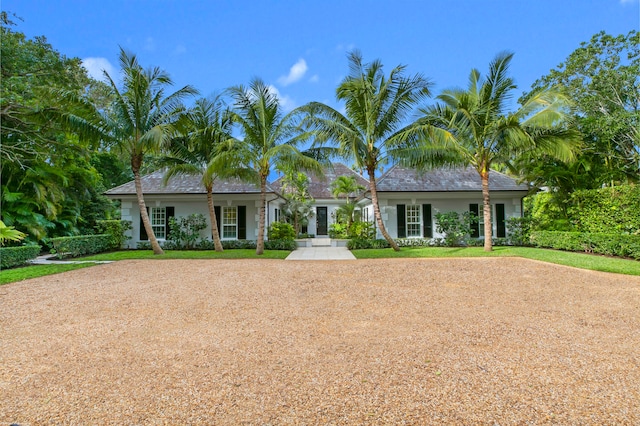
[321,220]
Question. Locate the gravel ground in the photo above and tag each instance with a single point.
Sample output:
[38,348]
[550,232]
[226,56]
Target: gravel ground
[268,342]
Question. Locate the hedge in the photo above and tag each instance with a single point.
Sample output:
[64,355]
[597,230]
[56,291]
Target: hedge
[606,210]
[17,256]
[81,245]
[228,245]
[116,230]
[622,245]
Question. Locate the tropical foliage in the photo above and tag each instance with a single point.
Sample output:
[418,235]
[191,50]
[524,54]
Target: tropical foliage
[270,140]
[473,126]
[372,132]
[141,119]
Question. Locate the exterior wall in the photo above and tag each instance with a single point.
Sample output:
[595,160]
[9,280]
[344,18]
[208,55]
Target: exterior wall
[443,203]
[187,204]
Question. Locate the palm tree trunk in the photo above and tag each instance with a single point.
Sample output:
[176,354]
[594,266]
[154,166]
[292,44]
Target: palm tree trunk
[486,210]
[143,209]
[376,211]
[215,233]
[263,201]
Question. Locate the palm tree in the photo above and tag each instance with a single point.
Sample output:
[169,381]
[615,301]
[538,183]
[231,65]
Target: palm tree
[141,119]
[346,185]
[206,127]
[371,133]
[270,140]
[472,127]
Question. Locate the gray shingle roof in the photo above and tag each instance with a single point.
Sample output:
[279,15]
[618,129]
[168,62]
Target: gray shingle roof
[402,179]
[185,184]
[320,188]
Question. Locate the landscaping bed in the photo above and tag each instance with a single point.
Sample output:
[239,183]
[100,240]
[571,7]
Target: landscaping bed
[381,341]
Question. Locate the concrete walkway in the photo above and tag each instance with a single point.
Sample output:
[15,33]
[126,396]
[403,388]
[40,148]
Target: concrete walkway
[322,249]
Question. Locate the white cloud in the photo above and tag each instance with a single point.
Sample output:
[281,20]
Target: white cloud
[285,101]
[314,78]
[296,72]
[96,66]
[628,1]
[150,44]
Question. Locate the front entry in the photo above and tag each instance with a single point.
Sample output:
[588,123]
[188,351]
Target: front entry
[321,221]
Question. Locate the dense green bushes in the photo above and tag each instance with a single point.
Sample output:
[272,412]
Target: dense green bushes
[589,242]
[81,245]
[610,210]
[281,231]
[116,229]
[231,245]
[17,256]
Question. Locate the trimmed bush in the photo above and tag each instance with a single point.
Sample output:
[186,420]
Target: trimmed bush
[17,256]
[281,231]
[606,210]
[589,242]
[81,245]
[280,245]
[362,243]
[116,230]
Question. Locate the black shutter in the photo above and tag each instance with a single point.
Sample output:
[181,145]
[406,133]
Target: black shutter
[427,221]
[217,209]
[475,227]
[500,222]
[143,232]
[242,222]
[402,222]
[169,212]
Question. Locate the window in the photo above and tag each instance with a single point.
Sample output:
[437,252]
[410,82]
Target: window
[229,223]
[158,222]
[413,221]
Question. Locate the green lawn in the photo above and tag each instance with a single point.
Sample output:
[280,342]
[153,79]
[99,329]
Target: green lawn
[190,254]
[34,271]
[578,260]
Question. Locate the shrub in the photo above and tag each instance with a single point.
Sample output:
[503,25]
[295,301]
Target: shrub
[116,229]
[338,230]
[415,242]
[280,245]
[281,231]
[590,242]
[17,256]
[239,244]
[184,231]
[362,243]
[360,229]
[519,231]
[455,226]
[606,210]
[81,245]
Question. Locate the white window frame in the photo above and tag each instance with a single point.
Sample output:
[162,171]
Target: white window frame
[158,219]
[413,220]
[229,223]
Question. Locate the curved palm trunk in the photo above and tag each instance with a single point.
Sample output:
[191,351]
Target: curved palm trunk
[143,210]
[263,201]
[376,211]
[215,233]
[486,210]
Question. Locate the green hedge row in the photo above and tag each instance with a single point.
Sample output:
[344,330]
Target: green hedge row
[81,245]
[116,229]
[228,245]
[589,242]
[17,256]
[606,210]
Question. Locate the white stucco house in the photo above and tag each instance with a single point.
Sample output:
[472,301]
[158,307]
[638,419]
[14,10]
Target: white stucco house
[408,202]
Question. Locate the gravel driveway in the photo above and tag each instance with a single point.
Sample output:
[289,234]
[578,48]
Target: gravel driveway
[268,342]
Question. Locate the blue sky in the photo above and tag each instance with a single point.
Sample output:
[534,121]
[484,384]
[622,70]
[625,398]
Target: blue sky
[300,47]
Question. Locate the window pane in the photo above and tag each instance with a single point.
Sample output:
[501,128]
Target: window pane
[229,223]
[158,217]
[414,227]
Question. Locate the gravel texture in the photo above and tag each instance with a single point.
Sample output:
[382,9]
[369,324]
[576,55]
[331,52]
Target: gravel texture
[267,342]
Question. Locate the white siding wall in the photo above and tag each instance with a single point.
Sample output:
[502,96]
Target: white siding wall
[187,205]
[443,203]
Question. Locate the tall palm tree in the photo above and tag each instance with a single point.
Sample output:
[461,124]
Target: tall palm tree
[346,185]
[372,131]
[206,127]
[270,140]
[141,119]
[473,127]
